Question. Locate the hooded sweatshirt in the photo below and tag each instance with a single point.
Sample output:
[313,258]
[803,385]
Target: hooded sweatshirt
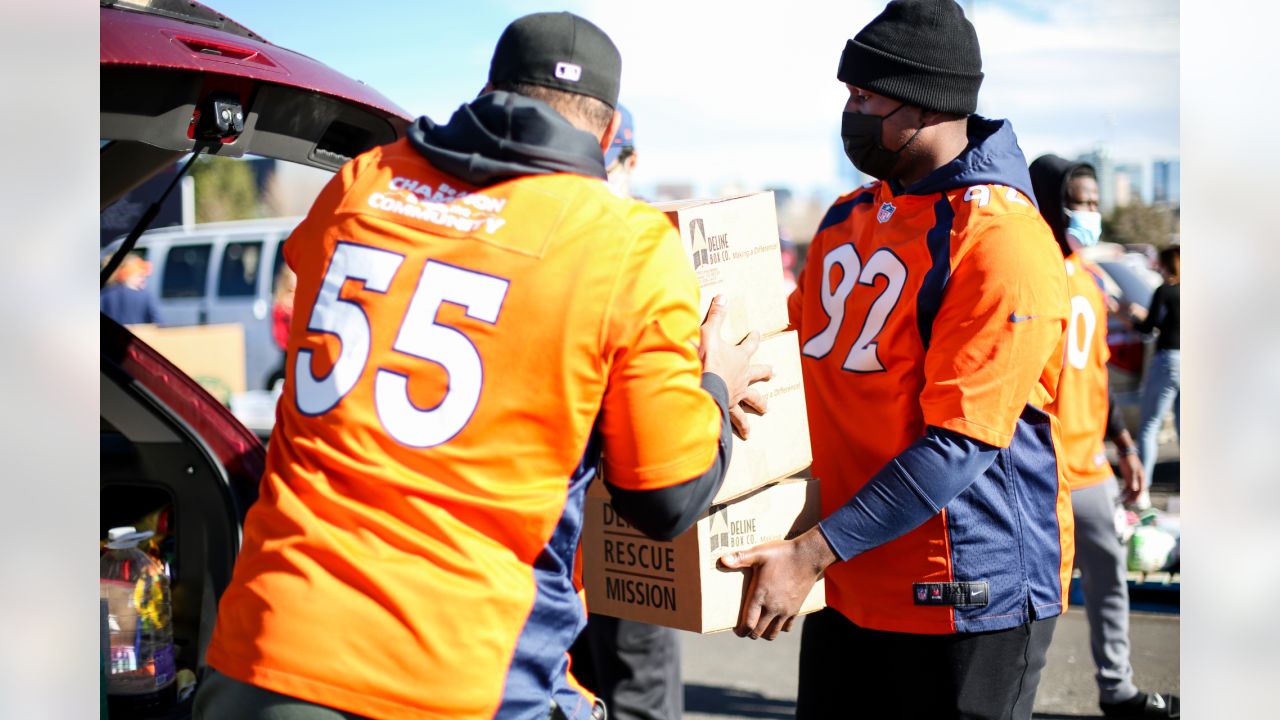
[1084,405]
[1049,175]
[931,321]
[478,321]
[500,136]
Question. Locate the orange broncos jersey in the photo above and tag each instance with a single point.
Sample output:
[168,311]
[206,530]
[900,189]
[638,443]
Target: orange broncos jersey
[1081,404]
[941,309]
[458,360]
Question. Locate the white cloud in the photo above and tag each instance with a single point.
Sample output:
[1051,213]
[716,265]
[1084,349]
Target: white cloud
[746,92]
[734,92]
[1075,75]
[1082,26]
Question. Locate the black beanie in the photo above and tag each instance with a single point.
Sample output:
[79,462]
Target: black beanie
[922,52]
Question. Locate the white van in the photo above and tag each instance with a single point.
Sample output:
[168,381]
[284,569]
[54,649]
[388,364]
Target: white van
[221,272]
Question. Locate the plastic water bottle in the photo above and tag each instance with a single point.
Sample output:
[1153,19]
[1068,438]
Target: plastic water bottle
[141,666]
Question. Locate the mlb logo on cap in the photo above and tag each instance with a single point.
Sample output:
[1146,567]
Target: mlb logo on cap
[568,71]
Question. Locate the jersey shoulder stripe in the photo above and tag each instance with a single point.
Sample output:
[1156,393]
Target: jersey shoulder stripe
[843,207]
[929,299]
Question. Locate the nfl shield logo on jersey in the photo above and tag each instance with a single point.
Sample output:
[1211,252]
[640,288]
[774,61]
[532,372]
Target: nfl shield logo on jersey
[886,212]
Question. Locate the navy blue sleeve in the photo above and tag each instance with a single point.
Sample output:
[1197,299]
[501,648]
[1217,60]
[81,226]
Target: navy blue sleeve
[911,488]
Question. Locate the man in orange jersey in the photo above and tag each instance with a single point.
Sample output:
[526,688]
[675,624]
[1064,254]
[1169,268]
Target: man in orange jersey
[477,319]
[931,317]
[1068,195]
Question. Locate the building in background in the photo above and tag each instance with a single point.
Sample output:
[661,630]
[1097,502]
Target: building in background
[1127,183]
[1122,183]
[1165,181]
[1100,159]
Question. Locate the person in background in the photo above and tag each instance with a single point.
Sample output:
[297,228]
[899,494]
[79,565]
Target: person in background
[633,666]
[124,299]
[1068,197]
[621,157]
[281,318]
[1162,386]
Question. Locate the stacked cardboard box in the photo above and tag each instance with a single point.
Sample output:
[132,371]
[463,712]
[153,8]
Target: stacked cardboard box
[732,245]
[680,584]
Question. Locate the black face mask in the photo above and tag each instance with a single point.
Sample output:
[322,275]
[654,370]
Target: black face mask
[862,143]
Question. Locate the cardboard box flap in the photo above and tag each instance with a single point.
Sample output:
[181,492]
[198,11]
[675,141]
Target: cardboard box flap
[668,206]
[732,245]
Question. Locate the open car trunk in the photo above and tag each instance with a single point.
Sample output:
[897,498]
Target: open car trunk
[163,64]
[173,458]
[171,451]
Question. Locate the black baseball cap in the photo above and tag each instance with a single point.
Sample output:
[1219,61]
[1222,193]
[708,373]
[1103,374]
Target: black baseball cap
[558,50]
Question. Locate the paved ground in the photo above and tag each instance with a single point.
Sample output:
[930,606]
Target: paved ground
[1067,689]
[729,677]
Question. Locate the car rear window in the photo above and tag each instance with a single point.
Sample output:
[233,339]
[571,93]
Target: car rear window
[241,263]
[186,271]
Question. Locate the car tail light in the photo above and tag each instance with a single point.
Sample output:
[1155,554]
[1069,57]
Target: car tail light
[224,50]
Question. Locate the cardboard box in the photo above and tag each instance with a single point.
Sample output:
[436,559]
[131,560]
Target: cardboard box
[213,355]
[679,584]
[733,246]
[779,440]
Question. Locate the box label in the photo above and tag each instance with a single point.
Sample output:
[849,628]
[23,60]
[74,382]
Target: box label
[724,533]
[637,570]
[732,245]
[679,583]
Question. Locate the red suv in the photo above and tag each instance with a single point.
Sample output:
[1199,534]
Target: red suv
[177,78]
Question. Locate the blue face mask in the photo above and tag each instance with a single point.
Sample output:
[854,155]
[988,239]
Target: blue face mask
[1084,226]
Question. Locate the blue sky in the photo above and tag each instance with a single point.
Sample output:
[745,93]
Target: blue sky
[743,94]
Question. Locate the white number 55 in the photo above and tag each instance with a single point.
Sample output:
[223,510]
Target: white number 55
[420,336]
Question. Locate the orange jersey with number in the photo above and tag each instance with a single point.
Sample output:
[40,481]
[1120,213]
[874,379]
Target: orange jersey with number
[1081,403]
[947,309]
[458,360]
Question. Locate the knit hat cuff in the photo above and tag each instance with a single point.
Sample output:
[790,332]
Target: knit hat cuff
[928,87]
